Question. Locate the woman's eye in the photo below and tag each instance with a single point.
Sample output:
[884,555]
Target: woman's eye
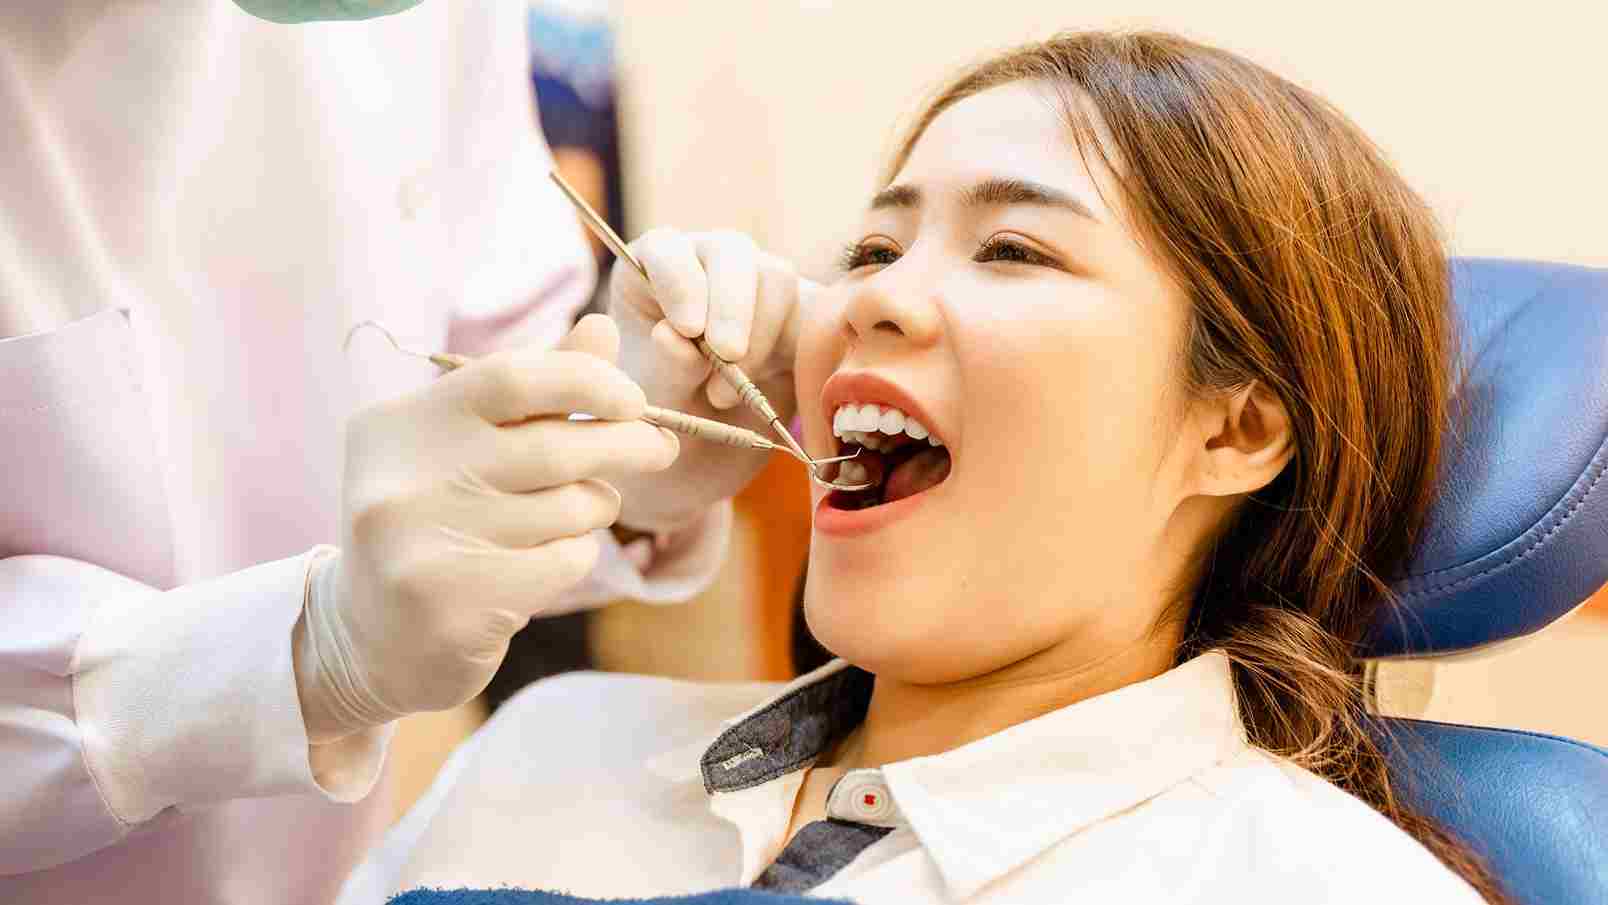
[864,254]
[1003,249]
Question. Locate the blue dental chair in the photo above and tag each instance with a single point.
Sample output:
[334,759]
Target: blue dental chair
[1518,540]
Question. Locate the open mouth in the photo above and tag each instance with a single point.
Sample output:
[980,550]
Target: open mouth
[898,456]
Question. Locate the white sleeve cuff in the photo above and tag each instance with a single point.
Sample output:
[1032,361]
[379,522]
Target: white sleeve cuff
[346,770]
[188,697]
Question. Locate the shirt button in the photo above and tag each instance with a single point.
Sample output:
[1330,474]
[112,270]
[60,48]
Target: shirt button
[861,796]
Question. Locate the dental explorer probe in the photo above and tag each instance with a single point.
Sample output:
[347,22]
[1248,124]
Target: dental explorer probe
[747,392]
[706,429]
[722,433]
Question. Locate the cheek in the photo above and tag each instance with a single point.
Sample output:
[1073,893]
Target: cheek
[1070,396]
[1087,352]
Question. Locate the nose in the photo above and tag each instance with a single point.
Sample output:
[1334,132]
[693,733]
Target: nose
[891,305]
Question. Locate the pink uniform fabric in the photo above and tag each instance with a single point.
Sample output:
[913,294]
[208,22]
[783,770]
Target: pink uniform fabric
[194,207]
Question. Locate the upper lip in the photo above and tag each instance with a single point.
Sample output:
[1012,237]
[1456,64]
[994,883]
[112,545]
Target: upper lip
[864,387]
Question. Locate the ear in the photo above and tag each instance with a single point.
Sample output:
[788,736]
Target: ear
[1248,442]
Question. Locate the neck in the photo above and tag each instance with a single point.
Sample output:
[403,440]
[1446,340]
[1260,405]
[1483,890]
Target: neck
[907,720]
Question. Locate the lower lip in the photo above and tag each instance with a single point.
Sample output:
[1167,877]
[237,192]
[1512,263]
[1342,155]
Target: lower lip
[834,522]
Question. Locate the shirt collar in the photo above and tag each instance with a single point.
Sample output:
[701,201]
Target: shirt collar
[775,737]
[987,807]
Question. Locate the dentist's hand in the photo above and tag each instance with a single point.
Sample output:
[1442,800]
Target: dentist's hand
[468,509]
[748,304]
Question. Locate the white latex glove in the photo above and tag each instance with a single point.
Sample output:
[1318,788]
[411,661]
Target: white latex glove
[468,509]
[748,304]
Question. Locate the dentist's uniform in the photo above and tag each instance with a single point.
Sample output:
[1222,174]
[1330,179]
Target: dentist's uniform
[195,205]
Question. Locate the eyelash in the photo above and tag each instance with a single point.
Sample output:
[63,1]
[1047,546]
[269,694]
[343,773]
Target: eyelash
[859,254]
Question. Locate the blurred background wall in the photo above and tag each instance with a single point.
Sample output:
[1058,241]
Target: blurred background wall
[775,117]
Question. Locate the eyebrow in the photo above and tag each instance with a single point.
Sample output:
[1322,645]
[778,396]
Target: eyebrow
[989,193]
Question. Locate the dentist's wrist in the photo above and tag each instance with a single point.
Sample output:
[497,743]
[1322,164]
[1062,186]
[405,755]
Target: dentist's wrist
[317,715]
[335,699]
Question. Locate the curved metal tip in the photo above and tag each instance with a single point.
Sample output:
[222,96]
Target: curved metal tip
[829,485]
[347,345]
[831,459]
[815,474]
[813,467]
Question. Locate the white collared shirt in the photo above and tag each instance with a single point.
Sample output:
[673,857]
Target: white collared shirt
[618,786]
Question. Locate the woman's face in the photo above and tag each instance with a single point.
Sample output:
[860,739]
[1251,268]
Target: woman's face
[993,297]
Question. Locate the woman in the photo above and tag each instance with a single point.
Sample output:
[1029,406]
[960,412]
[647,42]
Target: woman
[1148,351]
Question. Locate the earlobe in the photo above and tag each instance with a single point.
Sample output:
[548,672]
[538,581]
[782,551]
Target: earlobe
[1250,442]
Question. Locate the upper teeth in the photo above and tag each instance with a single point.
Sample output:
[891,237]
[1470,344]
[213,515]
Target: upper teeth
[865,425]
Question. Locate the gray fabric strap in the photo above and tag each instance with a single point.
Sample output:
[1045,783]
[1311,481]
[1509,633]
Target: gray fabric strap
[817,851]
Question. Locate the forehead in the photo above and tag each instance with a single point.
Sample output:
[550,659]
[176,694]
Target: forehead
[1015,131]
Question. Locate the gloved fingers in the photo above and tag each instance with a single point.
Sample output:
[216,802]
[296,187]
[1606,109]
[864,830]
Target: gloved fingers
[805,292]
[462,601]
[771,348]
[521,520]
[511,387]
[494,592]
[731,265]
[678,367]
[552,451]
[526,582]
[596,335]
[775,298]
[678,290]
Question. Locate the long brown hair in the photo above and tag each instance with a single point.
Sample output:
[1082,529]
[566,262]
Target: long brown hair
[1313,269]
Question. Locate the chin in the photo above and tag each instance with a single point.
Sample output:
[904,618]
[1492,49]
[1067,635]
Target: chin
[848,622]
[873,630]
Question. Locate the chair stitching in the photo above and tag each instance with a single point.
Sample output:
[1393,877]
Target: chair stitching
[1598,463]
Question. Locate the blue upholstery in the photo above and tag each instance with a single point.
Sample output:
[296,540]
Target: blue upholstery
[1518,538]
[1520,534]
[1535,805]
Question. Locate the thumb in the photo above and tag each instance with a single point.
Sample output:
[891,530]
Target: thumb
[785,352]
[594,334]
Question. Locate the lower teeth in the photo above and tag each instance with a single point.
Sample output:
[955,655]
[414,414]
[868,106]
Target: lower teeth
[920,473]
[852,472]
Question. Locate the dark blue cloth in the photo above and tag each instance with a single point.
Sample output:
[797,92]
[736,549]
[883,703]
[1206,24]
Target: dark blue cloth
[537,897]
[817,851]
[1519,534]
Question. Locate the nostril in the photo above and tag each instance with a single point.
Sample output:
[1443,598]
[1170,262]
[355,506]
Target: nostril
[888,325]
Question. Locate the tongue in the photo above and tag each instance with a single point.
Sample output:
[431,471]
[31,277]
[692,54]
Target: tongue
[917,473]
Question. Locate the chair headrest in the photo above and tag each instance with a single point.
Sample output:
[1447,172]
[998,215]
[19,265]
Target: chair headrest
[1536,806]
[1519,535]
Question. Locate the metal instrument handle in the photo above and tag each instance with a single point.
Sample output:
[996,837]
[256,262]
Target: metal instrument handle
[706,429]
